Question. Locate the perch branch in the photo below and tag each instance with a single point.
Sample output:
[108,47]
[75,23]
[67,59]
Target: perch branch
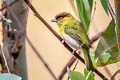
[69,64]
[55,33]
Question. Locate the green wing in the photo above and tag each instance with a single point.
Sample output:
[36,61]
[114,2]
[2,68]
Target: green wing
[74,30]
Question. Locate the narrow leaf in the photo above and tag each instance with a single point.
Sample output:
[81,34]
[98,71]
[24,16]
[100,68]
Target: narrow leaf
[89,75]
[87,7]
[83,14]
[75,75]
[105,6]
[105,57]
[92,55]
[91,4]
[107,44]
[107,41]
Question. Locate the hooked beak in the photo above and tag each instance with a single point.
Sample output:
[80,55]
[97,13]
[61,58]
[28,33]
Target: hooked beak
[54,20]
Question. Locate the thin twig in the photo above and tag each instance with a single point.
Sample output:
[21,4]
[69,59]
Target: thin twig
[55,33]
[107,71]
[74,8]
[40,57]
[69,64]
[8,5]
[93,14]
[113,76]
[74,67]
[4,58]
[112,13]
[96,37]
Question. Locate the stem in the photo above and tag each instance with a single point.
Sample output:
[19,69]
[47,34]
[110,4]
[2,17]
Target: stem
[4,58]
[117,28]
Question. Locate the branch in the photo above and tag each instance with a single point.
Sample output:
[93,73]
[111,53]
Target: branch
[111,11]
[55,33]
[117,28]
[96,37]
[113,76]
[69,64]
[40,57]
[107,71]
[4,58]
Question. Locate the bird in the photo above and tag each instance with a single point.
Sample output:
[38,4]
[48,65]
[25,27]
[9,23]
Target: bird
[75,35]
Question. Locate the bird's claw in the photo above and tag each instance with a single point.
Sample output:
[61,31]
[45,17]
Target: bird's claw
[77,51]
[63,41]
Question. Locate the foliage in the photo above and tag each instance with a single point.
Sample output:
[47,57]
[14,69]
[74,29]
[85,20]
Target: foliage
[107,50]
[8,76]
[105,6]
[78,76]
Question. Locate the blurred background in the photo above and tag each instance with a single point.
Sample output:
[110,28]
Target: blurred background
[50,47]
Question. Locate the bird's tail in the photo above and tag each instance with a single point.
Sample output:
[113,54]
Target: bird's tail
[87,58]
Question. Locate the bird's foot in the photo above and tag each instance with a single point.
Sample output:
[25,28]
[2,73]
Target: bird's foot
[73,52]
[77,51]
[63,41]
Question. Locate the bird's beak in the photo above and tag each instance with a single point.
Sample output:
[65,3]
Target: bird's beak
[54,20]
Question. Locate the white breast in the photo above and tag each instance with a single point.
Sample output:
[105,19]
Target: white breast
[71,42]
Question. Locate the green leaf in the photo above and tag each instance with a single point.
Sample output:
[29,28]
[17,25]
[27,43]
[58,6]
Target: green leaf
[91,4]
[87,7]
[117,72]
[92,55]
[115,56]
[105,57]
[89,75]
[107,41]
[105,6]
[75,75]
[8,76]
[107,44]
[83,14]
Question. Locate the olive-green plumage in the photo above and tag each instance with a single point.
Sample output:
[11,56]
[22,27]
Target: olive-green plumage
[75,35]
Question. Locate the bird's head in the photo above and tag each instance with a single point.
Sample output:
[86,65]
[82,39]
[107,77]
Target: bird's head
[62,17]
